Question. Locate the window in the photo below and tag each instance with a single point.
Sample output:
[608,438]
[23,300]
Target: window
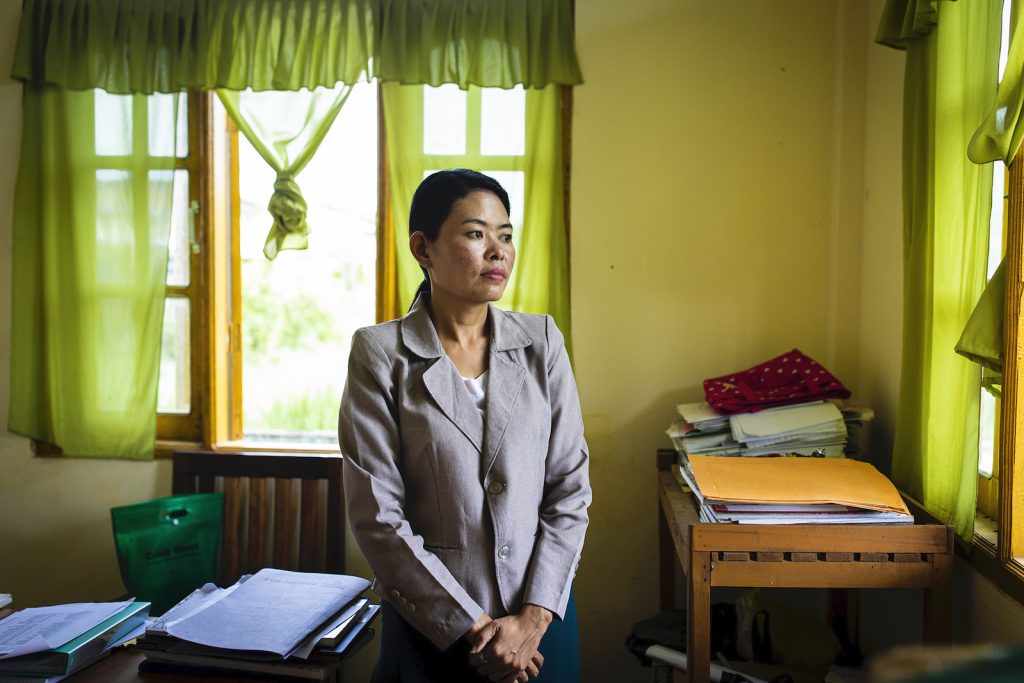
[1000,552]
[298,312]
[989,414]
[484,128]
[263,360]
[255,352]
[130,126]
[991,407]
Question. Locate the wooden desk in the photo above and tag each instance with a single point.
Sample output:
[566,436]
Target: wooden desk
[122,666]
[792,556]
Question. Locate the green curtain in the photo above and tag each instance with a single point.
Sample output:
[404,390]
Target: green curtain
[92,218]
[136,46]
[982,338]
[1000,135]
[904,21]
[949,85]
[90,242]
[286,128]
[540,281]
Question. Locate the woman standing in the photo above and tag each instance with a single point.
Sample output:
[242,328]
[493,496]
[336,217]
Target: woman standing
[465,464]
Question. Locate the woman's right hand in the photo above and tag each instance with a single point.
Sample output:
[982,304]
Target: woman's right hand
[505,650]
[477,638]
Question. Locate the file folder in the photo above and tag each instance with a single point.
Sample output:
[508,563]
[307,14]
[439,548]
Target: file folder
[793,481]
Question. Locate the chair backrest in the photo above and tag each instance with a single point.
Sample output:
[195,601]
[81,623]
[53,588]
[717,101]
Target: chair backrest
[280,510]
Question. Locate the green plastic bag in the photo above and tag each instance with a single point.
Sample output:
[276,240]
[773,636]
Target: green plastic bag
[168,547]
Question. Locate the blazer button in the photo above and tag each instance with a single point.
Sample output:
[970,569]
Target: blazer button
[411,607]
[402,600]
[395,594]
[495,487]
[504,552]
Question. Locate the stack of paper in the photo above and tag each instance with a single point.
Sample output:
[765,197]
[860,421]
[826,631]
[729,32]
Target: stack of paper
[793,491]
[703,417]
[275,622]
[699,429]
[791,429]
[817,428]
[48,643]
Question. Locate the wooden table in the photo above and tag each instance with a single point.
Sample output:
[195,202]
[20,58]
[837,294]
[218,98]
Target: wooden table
[792,556]
[122,666]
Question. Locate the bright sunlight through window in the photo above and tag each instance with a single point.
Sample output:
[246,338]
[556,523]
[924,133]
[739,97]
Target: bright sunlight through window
[299,312]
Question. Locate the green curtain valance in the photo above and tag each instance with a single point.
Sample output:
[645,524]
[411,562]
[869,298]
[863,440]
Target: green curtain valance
[146,46]
[906,20]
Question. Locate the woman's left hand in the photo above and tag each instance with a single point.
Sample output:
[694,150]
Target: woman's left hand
[505,647]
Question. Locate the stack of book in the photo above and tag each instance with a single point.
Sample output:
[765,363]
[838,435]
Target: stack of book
[275,622]
[792,491]
[818,428]
[48,643]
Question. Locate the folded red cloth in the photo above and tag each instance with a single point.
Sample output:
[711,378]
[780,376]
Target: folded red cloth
[781,381]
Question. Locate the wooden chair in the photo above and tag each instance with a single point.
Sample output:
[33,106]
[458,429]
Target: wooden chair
[280,510]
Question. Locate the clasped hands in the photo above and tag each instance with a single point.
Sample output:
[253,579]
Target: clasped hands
[504,650]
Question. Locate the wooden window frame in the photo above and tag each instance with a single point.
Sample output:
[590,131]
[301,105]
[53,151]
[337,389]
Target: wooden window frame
[215,422]
[176,429]
[999,556]
[1011,440]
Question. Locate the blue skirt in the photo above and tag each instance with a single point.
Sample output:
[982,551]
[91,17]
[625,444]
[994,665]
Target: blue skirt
[407,656]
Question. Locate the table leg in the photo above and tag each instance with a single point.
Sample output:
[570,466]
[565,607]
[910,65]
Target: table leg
[938,601]
[698,618]
[666,564]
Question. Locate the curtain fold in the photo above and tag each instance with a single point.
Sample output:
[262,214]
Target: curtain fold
[145,46]
[982,339]
[92,218]
[950,84]
[286,128]
[488,43]
[534,180]
[1000,134]
[904,21]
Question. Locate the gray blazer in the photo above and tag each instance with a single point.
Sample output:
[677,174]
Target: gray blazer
[460,513]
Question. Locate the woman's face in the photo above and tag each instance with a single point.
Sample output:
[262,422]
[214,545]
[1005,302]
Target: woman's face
[473,256]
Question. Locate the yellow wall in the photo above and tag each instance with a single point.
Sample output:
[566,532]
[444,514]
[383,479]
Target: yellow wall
[716,219]
[735,193]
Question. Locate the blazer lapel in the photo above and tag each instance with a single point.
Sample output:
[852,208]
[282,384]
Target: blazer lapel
[441,379]
[505,380]
[443,382]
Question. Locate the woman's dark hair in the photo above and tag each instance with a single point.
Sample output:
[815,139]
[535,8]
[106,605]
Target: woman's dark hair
[434,198]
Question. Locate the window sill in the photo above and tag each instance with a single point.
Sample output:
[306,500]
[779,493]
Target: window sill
[254,446]
[983,557]
[986,534]
[165,449]
[982,554]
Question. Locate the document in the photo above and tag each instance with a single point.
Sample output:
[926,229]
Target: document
[795,481]
[788,422]
[193,603]
[697,412]
[273,611]
[37,629]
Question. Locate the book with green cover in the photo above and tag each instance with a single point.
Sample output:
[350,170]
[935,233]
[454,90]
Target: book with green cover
[76,653]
